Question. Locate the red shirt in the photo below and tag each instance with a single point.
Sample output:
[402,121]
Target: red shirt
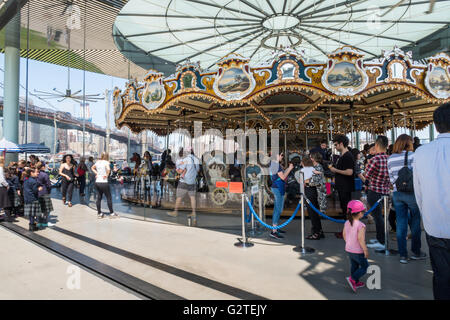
[377,174]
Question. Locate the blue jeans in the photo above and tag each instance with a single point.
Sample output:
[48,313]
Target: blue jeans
[278,206]
[359,265]
[403,202]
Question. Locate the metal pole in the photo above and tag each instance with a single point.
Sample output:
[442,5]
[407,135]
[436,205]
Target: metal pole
[84,76]
[261,203]
[351,115]
[301,248]
[303,222]
[243,243]
[306,139]
[386,231]
[331,131]
[108,127]
[54,122]
[285,150]
[11,109]
[26,72]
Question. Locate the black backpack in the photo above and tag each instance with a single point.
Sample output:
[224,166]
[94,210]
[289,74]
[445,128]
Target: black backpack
[404,182]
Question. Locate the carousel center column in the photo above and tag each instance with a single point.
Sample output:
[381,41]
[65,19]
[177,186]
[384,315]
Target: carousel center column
[11,84]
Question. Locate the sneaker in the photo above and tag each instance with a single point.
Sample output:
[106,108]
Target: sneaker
[377,246]
[351,283]
[419,256]
[100,215]
[276,235]
[404,260]
[114,215]
[373,241]
[359,284]
[49,224]
[172,213]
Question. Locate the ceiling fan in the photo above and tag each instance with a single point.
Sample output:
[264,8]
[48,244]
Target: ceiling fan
[56,94]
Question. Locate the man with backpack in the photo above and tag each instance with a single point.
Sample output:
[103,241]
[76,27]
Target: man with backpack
[401,176]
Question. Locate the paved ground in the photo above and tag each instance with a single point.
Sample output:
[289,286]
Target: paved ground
[270,269]
[31,272]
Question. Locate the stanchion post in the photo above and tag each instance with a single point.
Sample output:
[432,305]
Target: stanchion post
[386,229]
[261,204]
[386,250]
[302,248]
[253,219]
[243,243]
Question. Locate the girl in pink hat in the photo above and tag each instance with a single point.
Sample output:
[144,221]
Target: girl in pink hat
[355,243]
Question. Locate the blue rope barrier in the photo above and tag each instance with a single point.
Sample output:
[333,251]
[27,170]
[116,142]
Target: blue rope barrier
[339,220]
[268,226]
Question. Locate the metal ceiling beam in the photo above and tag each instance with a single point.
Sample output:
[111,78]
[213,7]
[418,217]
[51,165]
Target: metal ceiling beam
[218,45]
[382,21]
[254,7]
[150,15]
[187,29]
[225,8]
[365,9]
[360,33]
[200,39]
[347,44]
[271,6]
[314,45]
[310,6]
[296,6]
[242,45]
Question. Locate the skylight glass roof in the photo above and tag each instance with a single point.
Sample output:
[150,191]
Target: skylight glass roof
[207,30]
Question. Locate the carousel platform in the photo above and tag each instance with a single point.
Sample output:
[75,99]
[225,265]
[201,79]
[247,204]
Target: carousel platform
[205,205]
[163,258]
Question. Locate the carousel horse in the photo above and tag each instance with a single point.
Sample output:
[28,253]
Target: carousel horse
[137,174]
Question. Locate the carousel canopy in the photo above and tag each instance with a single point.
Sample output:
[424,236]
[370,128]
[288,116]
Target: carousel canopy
[291,93]
[173,31]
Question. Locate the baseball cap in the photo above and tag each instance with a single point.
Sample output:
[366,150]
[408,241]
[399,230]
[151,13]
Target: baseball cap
[356,206]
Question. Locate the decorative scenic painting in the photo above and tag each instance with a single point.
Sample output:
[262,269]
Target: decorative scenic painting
[187,80]
[439,80]
[117,106]
[154,95]
[344,74]
[287,71]
[234,80]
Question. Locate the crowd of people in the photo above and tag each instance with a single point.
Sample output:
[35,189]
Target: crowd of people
[25,191]
[417,179]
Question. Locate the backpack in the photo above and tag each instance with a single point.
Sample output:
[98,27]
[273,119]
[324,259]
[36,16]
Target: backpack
[404,182]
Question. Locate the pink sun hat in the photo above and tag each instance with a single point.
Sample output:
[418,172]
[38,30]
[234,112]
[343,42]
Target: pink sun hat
[356,206]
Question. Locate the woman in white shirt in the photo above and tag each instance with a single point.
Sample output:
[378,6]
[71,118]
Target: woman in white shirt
[102,170]
[4,198]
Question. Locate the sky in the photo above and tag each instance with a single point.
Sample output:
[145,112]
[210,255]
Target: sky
[45,76]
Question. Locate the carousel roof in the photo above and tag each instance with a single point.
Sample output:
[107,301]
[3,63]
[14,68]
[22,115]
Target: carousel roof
[291,93]
[174,31]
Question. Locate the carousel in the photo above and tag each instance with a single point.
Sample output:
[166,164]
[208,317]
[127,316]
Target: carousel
[305,100]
